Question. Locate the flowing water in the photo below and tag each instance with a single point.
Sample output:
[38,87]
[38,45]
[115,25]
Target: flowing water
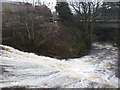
[96,70]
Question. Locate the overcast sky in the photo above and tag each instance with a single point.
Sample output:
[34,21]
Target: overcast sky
[51,3]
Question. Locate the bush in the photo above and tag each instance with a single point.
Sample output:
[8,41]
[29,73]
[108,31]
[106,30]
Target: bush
[7,10]
[75,40]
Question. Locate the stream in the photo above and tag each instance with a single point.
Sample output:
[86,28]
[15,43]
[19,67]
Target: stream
[23,69]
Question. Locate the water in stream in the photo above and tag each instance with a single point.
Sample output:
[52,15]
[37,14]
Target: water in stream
[96,70]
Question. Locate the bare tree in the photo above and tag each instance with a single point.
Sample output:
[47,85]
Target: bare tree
[87,11]
[33,2]
[28,19]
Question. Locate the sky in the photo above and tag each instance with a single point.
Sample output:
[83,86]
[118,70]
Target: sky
[52,3]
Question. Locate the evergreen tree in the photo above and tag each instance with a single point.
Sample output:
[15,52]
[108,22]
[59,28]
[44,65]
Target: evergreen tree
[65,14]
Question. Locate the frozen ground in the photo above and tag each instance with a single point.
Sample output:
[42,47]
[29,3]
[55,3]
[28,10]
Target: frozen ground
[96,70]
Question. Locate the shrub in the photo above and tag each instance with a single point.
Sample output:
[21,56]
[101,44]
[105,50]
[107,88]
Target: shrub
[7,10]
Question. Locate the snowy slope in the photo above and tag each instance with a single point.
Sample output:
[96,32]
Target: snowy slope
[96,70]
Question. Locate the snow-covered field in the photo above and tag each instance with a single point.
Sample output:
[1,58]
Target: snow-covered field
[23,69]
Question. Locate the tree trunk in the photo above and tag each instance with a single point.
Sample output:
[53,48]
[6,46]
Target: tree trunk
[29,36]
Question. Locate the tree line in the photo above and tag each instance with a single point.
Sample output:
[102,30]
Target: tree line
[71,36]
